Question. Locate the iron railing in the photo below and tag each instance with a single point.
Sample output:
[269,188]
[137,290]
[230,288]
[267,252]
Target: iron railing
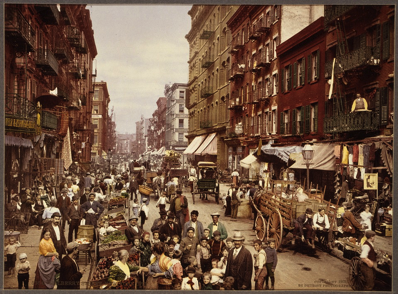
[74,36]
[18,30]
[206,34]
[19,107]
[334,11]
[49,120]
[49,13]
[352,122]
[205,124]
[206,92]
[46,60]
[207,61]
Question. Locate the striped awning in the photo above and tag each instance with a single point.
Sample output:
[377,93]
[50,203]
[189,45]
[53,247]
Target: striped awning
[17,141]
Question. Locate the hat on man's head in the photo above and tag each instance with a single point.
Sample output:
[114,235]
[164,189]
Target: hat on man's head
[87,173]
[87,189]
[217,233]
[179,191]
[162,212]
[190,269]
[92,193]
[74,198]
[64,190]
[238,236]
[215,214]
[194,212]
[55,214]
[133,217]
[308,211]
[171,215]
[72,245]
[369,234]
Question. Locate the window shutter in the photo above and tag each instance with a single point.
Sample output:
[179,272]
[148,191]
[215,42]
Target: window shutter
[276,83]
[289,82]
[283,86]
[386,41]
[272,15]
[383,106]
[318,59]
[294,126]
[295,75]
[309,69]
[279,11]
[376,48]
[316,117]
[301,120]
[271,50]
[307,124]
[282,123]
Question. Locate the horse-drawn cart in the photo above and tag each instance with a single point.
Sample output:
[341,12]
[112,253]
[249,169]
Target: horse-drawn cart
[207,183]
[277,212]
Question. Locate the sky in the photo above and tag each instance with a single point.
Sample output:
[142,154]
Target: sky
[140,49]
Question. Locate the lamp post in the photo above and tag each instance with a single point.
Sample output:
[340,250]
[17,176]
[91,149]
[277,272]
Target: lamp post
[308,155]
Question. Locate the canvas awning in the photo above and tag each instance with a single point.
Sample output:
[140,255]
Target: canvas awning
[248,161]
[323,158]
[17,141]
[211,149]
[282,152]
[203,149]
[194,144]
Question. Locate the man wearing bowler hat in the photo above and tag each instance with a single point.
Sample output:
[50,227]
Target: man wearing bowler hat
[91,210]
[179,206]
[240,264]
[133,229]
[159,222]
[63,203]
[171,228]
[74,217]
[217,226]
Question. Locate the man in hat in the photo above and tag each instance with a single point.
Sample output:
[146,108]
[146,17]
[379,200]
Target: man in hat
[169,229]
[217,226]
[235,203]
[351,227]
[57,234]
[85,196]
[87,181]
[133,229]
[70,274]
[159,221]
[188,246]
[240,264]
[304,221]
[63,203]
[194,223]
[369,258]
[179,206]
[91,210]
[74,217]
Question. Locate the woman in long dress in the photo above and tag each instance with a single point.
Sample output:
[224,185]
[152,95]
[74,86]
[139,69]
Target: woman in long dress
[48,263]
[161,266]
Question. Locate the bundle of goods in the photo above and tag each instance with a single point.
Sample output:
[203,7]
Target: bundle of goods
[171,155]
[84,243]
[115,239]
[121,200]
[130,283]
[145,190]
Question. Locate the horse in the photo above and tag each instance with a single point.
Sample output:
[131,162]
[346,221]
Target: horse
[158,185]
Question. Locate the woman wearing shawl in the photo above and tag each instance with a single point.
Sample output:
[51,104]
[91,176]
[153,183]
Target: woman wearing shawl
[121,270]
[161,266]
[48,263]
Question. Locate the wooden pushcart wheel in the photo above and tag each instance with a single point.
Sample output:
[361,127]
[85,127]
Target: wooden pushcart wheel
[261,227]
[356,280]
[275,227]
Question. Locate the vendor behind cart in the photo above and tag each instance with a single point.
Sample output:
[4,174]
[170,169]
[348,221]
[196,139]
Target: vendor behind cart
[92,210]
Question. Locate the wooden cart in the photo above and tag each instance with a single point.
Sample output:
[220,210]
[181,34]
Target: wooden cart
[276,214]
[207,181]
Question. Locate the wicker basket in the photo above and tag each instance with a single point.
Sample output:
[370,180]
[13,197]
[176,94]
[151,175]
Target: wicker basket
[145,190]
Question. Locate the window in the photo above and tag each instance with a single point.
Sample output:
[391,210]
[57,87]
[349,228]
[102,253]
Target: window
[314,117]
[384,112]
[96,94]
[276,16]
[313,66]
[287,78]
[300,72]
[95,123]
[95,109]
[284,122]
[267,54]
[95,139]
[265,123]
[181,108]
[180,137]
[274,83]
[181,123]
[268,19]
[274,44]
[182,94]
[267,87]
[273,126]
[386,40]
[259,121]
[297,123]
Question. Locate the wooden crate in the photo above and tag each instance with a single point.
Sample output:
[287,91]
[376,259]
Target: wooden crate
[108,252]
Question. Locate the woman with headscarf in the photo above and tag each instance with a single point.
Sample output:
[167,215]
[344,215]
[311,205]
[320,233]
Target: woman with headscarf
[161,266]
[48,263]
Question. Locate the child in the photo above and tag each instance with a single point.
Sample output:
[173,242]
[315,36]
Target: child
[22,269]
[223,261]
[136,246]
[194,264]
[228,283]
[135,207]
[155,237]
[162,202]
[177,267]
[216,245]
[203,255]
[272,260]
[190,282]
[144,212]
[216,274]
[11,251]
[259,265]
[206,233]
[176,240]
[176,284]
[206,281]
[230,243]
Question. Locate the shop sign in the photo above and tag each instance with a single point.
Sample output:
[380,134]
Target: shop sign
[21,125]
[239,128]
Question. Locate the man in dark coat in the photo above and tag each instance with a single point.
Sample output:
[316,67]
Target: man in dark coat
[91,210]
[240,264]
[169,229]
[57,234]
[133,230]
[70,274]
[304,221]
[63,202]
[85,196]
[74,218]
[159,222]
[179,207]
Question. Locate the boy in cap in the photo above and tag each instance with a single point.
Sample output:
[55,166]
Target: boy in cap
[216,245]
[22,269]
[304,221]
[190,282]
[70,274]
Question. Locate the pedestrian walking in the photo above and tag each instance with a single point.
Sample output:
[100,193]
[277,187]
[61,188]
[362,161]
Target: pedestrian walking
[74,217]
[144,213]
[63,203]
[234,203]
[179,206]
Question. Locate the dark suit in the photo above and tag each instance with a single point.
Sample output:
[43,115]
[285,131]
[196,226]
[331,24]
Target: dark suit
[158,223]
[62,205]
[69,276]
[91,219]
[299,225]
[167,231]
[59,245]
[84,198]
[74,217]
[240,268]
[199,232]
[131,233]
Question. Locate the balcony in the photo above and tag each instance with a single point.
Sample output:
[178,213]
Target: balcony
[235,102]
[63,52]
[263,59]
[83,49]
[49,120]
[263,93]
[363,57]
[49,13]
[205,124]
[206,92]
[207,61]
[66,14]
[236,44]
[46,61]
[238,71]
[262,26]
[76,72]
[20,114]
[254,34]
[74,36]
[332,12]
[18,31]
[352,122]
[206,34]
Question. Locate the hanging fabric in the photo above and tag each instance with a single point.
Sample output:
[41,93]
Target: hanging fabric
[344,159]
[360,155]
[355,152]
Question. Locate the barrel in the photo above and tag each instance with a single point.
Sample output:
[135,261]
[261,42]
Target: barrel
[85,231]
[11,234]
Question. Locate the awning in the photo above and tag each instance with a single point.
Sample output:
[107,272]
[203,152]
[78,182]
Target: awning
[180,148]
[17,141]
[194,144]
[323,158]
[203,149]
[49,100]
[281,152]
[248,161]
